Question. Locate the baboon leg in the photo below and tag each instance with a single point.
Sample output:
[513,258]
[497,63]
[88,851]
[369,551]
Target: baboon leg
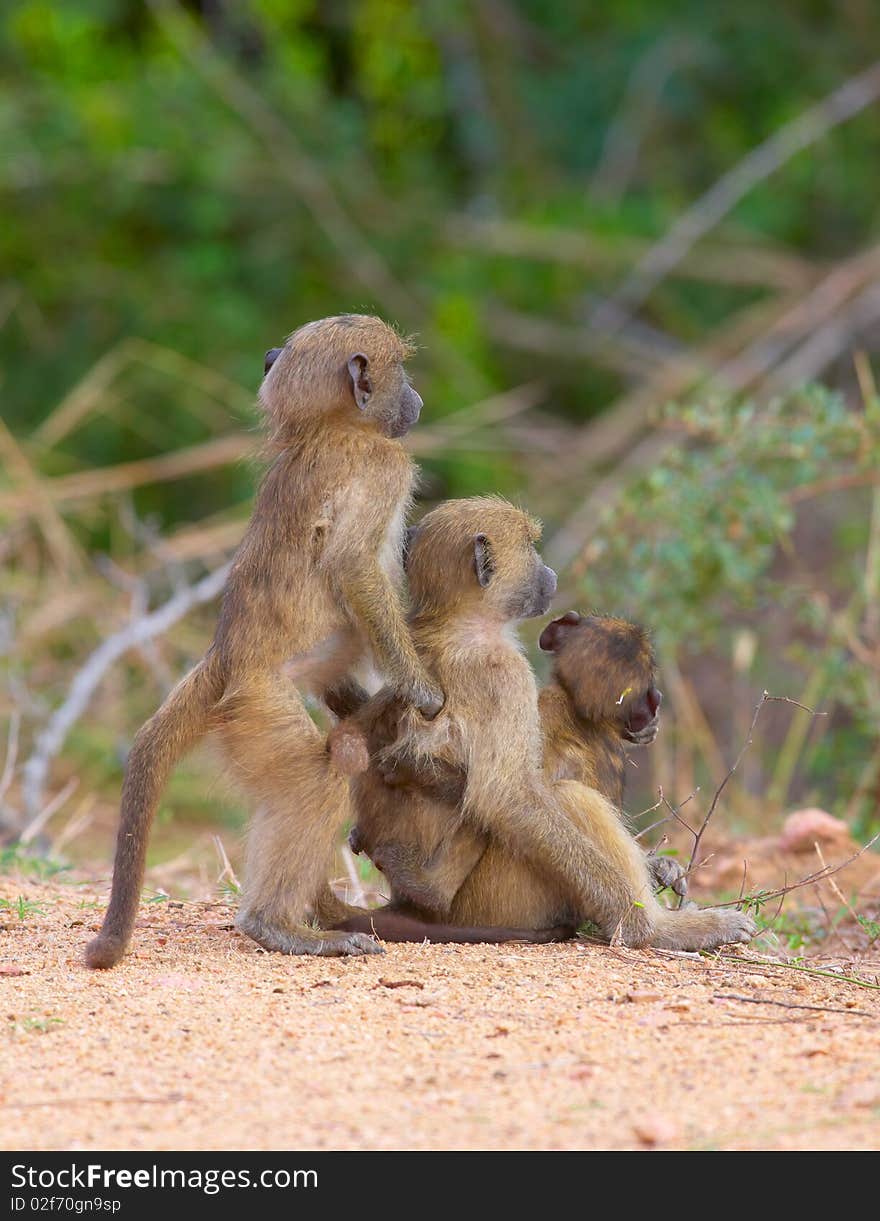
[165,738]
[617,893]
[702,928]
[278,757]
[632,914]
[621,902]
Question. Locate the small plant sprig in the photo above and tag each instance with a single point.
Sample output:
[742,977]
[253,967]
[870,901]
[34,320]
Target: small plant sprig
[22,907]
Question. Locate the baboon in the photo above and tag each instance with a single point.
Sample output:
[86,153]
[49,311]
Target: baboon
[602,695]
[315,584]
[554,853]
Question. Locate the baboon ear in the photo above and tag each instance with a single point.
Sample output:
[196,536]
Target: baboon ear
[555,632]
[361,386]
[483,564]
[271,356]
[408,540]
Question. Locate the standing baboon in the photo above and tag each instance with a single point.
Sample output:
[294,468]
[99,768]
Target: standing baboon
[314,582]
[557,853]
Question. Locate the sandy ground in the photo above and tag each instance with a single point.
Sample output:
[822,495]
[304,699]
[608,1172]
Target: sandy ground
[200,1040]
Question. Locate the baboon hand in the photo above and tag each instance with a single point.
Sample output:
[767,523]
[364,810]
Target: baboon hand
[426,697]
[396,774]
[357,944]
[668,872]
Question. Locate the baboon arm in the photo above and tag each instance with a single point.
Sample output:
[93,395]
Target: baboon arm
[530,821]
[374,603]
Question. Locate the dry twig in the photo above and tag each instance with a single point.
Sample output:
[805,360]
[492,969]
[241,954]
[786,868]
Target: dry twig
[50,740]
[766,698]
[844,103]
[758,1000]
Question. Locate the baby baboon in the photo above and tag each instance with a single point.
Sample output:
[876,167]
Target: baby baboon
[602,695]
[557,853]
[315,582]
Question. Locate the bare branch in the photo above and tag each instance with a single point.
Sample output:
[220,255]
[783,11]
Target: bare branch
[51,739]
[844,103]
[626,133]
[11,753]
[178,463]
[725,263]
[758,1000]
[673,810]
[766,698]
[357,889]
[837,483]
[811,879]
[36,825]
[227,873]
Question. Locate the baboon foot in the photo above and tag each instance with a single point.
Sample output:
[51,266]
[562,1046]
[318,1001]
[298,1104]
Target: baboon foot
[300,939]
[706,929]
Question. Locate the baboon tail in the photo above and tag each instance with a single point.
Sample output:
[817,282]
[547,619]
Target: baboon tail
[158,746]
[394,926]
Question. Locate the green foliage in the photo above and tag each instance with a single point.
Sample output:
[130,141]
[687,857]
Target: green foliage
[142,196]
[32,1025]
[708,539]
[174,183]
[798,929]
[15,858]
[695,537]
[22,907]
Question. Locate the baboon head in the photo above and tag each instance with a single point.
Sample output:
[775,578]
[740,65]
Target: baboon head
[608,669]
[351,366]
[478,554]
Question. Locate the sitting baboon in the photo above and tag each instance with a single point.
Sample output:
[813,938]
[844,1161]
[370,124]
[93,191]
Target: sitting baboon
[602,695]
[544,853]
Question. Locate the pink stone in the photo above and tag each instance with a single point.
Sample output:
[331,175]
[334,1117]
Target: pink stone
[804,828]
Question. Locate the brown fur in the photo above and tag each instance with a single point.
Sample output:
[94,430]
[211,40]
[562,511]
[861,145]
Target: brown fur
[314,582]
[601,695]
[543,854]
